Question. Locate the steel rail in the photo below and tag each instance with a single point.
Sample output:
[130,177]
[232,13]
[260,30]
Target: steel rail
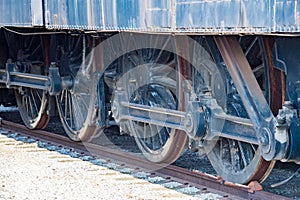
[207,183]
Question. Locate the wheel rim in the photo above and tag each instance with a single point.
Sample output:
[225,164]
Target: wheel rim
[158,144]
[234,160]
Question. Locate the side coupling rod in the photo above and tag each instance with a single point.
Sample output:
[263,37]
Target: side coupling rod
[275,136]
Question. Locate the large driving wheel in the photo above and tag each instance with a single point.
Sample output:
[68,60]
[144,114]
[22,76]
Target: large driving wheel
[234,160]
[152,81]
[32,103]
[76,103]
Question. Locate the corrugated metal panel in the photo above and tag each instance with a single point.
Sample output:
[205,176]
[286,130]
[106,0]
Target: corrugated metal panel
[21,13]
[287,15]
[158,13]
[202,16]
[223,14]
[123,14]
[15,12]
[108,14]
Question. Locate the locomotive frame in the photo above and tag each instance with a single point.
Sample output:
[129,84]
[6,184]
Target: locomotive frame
[164,72]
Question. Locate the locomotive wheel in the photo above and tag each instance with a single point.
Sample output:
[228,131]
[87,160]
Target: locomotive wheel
[238,161]
[76,102]
[32,103]
[33,106]
[157,143]
[74,111]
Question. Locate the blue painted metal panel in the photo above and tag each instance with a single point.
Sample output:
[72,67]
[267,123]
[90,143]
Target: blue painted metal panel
[287,15]
[108,14]
[15,12]
[200,16]
[224,15]
[196,16]
[21,13]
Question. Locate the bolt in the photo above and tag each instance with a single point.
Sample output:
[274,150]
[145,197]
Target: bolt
[200,109]
[288,104]
[281,119]
[114,108]
[263,140]
[188,121]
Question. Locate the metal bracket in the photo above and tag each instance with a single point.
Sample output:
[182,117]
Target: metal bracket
[55,84]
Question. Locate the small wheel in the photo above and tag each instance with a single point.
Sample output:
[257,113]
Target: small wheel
[32,103]
[76,103]
[33,106]
[154,84]
[234,160]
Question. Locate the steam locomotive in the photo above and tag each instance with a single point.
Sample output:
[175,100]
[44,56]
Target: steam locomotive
[219,77]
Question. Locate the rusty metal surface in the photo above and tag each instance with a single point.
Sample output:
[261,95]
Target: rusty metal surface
[277,79]
[193,178]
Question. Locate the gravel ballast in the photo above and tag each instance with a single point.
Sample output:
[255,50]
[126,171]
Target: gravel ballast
[31,172]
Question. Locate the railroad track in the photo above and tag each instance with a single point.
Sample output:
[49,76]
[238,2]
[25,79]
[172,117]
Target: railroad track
[194,180]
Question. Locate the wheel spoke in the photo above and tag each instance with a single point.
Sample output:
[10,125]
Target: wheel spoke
[250,47]
[161,141]
[235,155]
[70,114]
[245,160]
[30,104]
[34,101]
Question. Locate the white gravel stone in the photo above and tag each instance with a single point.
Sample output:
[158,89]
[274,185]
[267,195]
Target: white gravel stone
[155,179]
[86,158]
[50,175]
[127,170]
[98,161]
[189,190]
[172,184]
[142,175]
[112,166]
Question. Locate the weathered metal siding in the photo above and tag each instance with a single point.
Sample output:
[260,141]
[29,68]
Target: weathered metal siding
[235,16]
[224,15]
[21,13]
[108,14]
[287,16]
[200,16]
